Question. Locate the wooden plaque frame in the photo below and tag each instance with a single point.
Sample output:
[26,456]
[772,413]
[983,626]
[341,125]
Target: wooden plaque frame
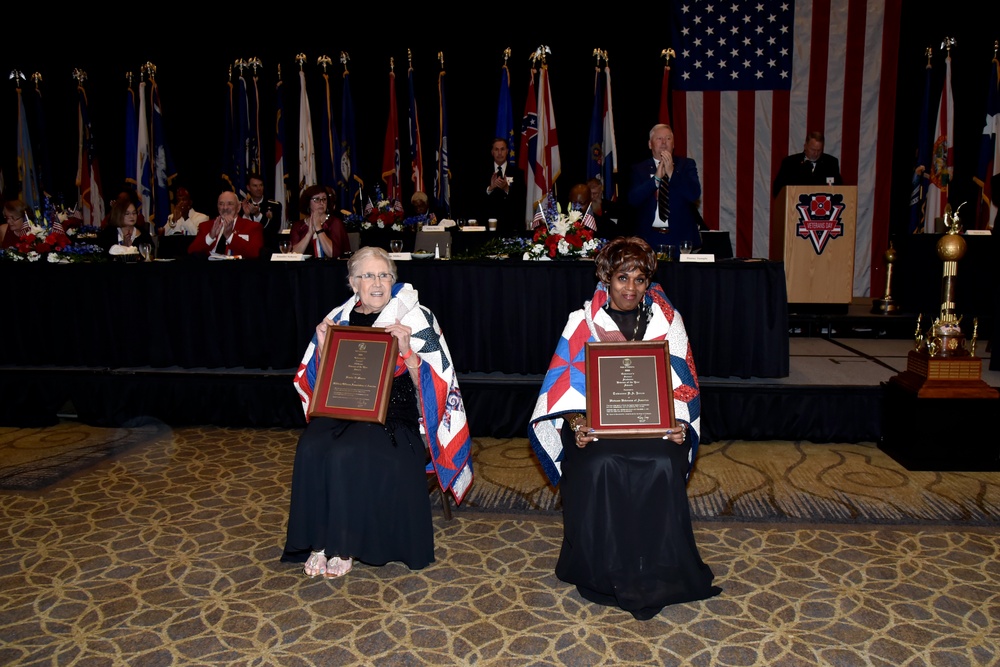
[356,368]
[629,389]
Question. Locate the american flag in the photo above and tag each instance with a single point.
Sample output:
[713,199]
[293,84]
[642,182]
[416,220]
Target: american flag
[750,80]
[588,220]
[539,217]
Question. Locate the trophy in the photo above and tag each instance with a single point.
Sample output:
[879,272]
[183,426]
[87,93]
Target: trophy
[942,364]
[886,305]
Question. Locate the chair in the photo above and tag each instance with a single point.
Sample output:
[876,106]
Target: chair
[433,485]
[717,243]
[355,240]
[429,240]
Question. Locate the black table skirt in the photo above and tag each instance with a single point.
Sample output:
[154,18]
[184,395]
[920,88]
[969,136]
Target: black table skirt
[499,316]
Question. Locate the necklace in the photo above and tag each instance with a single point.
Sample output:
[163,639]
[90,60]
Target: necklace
[624,318]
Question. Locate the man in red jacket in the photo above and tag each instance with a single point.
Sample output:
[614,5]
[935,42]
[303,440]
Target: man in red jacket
[228,234]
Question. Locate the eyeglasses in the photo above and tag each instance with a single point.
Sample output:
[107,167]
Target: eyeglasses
[383,277]
[318,198]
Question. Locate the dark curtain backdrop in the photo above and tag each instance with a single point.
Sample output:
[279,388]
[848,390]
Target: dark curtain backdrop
[193,52]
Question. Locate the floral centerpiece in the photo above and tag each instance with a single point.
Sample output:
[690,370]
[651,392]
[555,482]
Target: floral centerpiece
[46,238]
[384,214]
[561,235]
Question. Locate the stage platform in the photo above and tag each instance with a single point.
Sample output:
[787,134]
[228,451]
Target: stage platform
[833,393]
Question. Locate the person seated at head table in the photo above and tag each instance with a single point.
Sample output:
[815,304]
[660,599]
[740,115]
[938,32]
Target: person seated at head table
[627,540]
[228,234]
[259,209]
[123,231]
[318,233]
[359,489]
[15,219]
[609,222]
[422,206]
[125,196]
[184,220]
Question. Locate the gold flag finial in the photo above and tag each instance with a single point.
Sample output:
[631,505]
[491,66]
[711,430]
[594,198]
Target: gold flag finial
[667,54]
[392,64]
[324,60]
[506,55]
[947,44]
[409,58]
[441,58]
[254,63]
[79,75]
[279,71]
[300,59]
[18,77]
[929,52]
[541,52]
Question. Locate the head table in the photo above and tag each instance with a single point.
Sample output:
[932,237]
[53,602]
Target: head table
[498,315]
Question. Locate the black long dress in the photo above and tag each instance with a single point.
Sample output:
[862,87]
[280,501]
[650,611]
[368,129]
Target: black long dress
[627,535]
[359,489]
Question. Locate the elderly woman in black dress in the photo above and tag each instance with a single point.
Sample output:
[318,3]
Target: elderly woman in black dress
[627,538]
[359,489]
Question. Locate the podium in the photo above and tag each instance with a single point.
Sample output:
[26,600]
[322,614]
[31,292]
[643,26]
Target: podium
[812,232]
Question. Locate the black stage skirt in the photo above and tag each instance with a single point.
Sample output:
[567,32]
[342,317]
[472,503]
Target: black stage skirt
[358,491]
[627,536]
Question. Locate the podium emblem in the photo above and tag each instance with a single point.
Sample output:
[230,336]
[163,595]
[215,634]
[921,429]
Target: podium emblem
[819,218]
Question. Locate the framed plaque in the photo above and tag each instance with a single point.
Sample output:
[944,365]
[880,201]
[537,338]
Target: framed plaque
[629,389]
[355,374]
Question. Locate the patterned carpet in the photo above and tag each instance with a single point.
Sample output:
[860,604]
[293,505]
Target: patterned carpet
[167,554]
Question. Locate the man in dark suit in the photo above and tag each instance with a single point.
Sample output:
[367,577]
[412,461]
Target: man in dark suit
[504,196]
[664,192]
[810,167]
[228,234]
[265,211]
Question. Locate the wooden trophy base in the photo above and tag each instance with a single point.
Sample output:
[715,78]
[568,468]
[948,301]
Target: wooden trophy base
[943,377]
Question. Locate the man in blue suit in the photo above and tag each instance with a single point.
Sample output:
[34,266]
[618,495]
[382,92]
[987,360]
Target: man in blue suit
[664,192]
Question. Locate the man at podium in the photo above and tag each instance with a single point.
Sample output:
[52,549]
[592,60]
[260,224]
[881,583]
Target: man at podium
[810,167]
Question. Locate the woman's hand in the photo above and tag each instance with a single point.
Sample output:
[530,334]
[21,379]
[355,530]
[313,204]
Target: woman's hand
[321,329]
[401,333]
[677,434]
[581,432]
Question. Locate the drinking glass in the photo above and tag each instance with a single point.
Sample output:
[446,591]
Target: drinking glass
[396,245]
[285,247]
[686,248]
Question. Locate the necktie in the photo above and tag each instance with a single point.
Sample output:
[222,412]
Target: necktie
[220,247]
[663,199]
[812,166]
[499,171]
